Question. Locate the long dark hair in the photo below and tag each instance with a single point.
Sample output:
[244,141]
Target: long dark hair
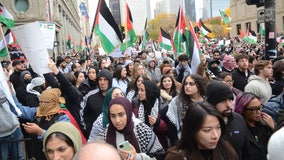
[192,123]
[199,81]
[117,73]
[173,91]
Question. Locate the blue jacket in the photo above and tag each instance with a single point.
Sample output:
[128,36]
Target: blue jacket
[273,105]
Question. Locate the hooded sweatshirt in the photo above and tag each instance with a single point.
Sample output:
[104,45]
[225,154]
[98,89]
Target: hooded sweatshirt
[260,87]
[68,130]
[94,102]
[8,120]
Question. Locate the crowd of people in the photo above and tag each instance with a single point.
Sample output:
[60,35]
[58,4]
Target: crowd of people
[142,107]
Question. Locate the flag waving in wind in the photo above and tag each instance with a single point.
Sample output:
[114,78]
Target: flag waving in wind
[106,28]
[180,33]
[165,40]
[225,16]
[194,50]
[5,17]
[145,37]
[130,36]
[9,40]
[204,31]
[251,37]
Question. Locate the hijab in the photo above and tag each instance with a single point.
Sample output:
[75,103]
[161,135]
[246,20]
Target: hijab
[128,131]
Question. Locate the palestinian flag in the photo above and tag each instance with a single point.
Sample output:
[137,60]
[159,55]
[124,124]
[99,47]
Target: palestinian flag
[204,31]
[9,40]
[69,42]
[225,17]
[181,34]
[251,37]
[165,40]
[130,34]
[242,34]
[145,37]
[5,17]
[106,28]
[194,50]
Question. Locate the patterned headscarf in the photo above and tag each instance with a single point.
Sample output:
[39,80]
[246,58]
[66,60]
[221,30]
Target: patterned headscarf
[49,103]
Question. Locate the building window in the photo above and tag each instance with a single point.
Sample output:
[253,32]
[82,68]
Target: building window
[21,5]
[239,27]
[248,26]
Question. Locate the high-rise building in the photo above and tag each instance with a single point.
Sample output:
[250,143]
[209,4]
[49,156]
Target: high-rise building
[189,9]
[114,6]
[140,10]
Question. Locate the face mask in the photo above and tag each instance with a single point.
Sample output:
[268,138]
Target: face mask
[27,81]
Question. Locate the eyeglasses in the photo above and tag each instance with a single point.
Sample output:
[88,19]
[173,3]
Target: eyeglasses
[189,83]
[229,81]
[254,109]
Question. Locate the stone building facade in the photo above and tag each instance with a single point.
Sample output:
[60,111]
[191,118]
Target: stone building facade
[244,15]
[64,13]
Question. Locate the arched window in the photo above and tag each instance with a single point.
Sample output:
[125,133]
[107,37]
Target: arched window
[21,5]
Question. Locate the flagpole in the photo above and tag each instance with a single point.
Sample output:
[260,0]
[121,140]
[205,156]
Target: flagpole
[126,29]
[5,42]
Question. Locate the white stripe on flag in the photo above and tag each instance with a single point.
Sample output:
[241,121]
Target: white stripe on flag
[108,31]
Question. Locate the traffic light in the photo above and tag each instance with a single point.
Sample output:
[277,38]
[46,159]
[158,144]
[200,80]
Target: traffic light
[122,31]
[258,3]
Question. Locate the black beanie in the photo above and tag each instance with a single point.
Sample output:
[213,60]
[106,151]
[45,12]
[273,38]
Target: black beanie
[217,91]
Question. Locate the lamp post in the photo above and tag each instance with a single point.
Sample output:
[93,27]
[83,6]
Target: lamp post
[270,34]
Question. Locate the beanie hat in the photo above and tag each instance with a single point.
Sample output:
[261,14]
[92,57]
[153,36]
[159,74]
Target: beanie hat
[49,103]
[166,70]
[67,129]
[217,91]
[275,146]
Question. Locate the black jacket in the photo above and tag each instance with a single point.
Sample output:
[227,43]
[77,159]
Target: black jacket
[258,139]
[240,79]
[237,135]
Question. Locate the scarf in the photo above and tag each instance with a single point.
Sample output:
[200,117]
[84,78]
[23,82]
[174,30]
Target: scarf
[107,99]
[128,131]
[49,103]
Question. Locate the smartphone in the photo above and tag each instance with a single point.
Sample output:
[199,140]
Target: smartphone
[125,146]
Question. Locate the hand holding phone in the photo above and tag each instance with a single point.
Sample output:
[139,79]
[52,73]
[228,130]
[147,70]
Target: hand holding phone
[125,146]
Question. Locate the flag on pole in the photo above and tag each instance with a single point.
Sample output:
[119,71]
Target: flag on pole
[203,29]
[251,37]
[225,17]
[69,42]
[242,34]
[181,33]
[106,28]
[130,33]
[194,50]
[145,37]
[5,17]
[9,40]
[165,40]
